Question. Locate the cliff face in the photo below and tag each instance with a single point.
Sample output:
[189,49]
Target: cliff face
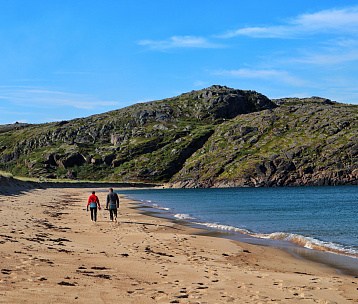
[213,137]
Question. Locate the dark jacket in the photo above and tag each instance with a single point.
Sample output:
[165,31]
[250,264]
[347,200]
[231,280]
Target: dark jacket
[112,201]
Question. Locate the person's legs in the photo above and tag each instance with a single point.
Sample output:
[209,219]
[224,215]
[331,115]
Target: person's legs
[111,214]
[95,214]
[115,214]
[92,213]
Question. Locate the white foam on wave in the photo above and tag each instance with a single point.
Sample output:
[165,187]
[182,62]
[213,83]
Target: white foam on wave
[300,240]
[309,243]
[183,216]
[155,206]
[224,227]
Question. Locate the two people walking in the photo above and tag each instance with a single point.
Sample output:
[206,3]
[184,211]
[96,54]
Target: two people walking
[112,205]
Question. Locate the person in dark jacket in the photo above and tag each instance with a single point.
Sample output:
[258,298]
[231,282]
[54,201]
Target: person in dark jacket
[93,203]
[112,204]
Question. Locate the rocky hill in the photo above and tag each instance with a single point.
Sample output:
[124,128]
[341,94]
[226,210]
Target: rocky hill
[208,138]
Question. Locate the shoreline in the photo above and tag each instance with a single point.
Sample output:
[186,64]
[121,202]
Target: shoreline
[340,262]
[51,250]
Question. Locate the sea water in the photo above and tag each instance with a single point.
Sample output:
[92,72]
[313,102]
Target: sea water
[323,218]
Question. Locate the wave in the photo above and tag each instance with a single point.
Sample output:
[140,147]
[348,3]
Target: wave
[183,216]
[224,227]
[310,243]
[299,240]
[156,206]
[153,205]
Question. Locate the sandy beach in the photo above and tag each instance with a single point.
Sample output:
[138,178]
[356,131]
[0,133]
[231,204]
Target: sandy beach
[51,252]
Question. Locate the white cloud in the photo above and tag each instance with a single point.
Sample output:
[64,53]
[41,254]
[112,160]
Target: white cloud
[334,52]
[265,74]
[260,32]
[347,43]
[333,21]
[49,98]
[179,42]
[342,20]
[328,59]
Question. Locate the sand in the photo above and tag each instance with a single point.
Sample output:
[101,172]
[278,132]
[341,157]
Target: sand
[51,252]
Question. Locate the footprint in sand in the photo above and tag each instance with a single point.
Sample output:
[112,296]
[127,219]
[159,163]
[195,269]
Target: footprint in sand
[278,283]
[159,295]
[63,283]
[6,271]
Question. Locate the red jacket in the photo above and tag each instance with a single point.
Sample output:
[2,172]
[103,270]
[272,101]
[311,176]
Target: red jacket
[93,199]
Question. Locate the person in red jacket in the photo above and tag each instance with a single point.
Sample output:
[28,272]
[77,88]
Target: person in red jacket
[92,203]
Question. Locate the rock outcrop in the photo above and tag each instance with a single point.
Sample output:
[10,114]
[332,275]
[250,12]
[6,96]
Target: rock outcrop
[302,142]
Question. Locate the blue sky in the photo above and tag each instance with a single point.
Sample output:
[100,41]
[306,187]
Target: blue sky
[64,59]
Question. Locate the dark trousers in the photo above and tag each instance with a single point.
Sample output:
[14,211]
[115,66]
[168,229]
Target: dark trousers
[112,213]
[94,214]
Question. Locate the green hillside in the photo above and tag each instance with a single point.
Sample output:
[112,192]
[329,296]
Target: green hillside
[208,138]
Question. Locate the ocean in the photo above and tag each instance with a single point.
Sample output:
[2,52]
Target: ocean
[320,218]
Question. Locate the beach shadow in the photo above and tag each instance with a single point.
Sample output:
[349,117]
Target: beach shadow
[12,187]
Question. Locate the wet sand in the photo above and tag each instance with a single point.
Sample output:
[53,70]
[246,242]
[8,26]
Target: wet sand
[51,252]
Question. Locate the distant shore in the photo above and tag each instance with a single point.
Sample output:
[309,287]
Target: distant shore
[50,250]
[10,185]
